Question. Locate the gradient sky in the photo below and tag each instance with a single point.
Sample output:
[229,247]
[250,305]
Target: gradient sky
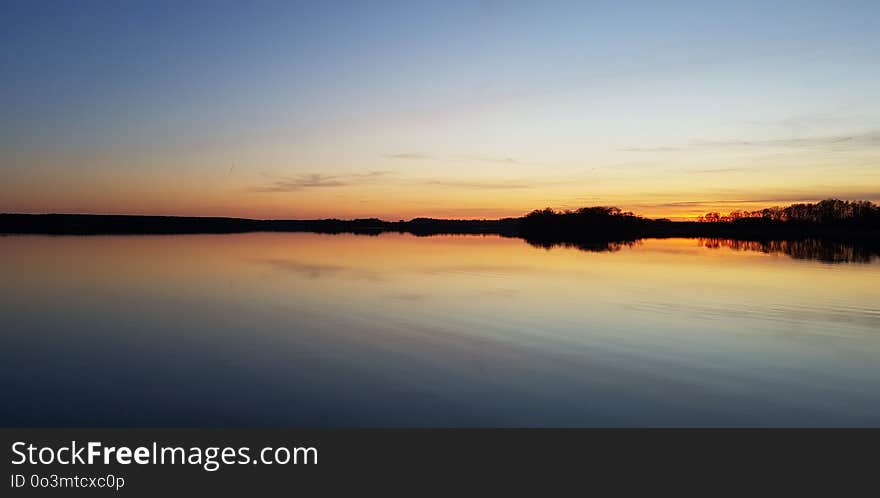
[447,109]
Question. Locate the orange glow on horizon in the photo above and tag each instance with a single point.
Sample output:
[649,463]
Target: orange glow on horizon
[390,204]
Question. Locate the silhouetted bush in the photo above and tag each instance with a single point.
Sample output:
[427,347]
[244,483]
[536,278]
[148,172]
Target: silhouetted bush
[584,224]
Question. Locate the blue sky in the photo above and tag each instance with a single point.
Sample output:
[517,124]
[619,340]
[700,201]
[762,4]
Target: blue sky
[401,109]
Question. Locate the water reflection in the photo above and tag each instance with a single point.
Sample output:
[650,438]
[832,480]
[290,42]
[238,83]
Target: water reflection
[315,330]
[588,246]
[826,251]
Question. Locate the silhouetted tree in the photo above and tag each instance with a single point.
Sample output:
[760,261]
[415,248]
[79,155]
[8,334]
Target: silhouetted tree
[826,212]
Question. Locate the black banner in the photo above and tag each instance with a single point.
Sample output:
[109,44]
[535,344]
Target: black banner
[230,462]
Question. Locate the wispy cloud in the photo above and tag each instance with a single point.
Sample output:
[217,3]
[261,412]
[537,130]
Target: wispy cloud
[765,201]
[721,170]
[476,212]
[685,204]
[850,140]
[488,159]
[409,155]
[319,180]
[830,142]
[650,149]
[417,156]
[480,185]
[803,123]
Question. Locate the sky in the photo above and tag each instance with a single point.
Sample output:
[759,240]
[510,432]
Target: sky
[475,109]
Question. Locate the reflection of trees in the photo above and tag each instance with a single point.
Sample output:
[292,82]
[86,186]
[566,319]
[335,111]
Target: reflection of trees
[827,251]
[832,230]
[594,246]
[822,250]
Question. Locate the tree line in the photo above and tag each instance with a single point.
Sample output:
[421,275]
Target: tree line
[828,211]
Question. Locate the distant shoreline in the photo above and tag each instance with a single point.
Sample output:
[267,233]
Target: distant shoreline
[523,227]
[86,224]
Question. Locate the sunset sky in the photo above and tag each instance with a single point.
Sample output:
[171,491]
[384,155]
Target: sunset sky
[444,109]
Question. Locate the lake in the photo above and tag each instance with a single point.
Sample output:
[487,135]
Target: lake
[394,330]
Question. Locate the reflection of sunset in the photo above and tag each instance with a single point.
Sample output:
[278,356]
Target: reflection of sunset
[299,264]
[441,331]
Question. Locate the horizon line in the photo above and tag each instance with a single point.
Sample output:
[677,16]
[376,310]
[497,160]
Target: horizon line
[378,218]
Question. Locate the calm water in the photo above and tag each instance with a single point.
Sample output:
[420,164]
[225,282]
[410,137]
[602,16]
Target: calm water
[396,330]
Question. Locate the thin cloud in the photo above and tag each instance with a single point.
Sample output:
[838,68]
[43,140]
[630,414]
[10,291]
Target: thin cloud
[697,203]
[486,159]
[853,140]
[486,212]
[801,122]
[303,181]
[409,155]
[831,142]
[650,149]
[721,170]
[417,156]
[318,180]
[480,185]
[767,201]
